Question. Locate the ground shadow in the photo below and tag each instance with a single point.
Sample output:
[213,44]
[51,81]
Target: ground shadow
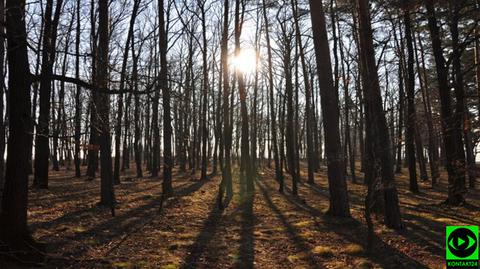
[204,238]
[247,244]
[291,231]
[355,232]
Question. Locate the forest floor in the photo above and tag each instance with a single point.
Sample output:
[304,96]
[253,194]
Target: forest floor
[266,230]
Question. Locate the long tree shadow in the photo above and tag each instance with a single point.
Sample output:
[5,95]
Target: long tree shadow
[204,238]
[292,232]
[355,232]
[247,255]
[116,227]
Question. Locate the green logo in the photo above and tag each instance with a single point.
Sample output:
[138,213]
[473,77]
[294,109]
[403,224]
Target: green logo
[462,243]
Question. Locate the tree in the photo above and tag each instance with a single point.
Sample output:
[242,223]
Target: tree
[411,118]
[48,57]
[205,88]
[13,216]
[452,136]
[2,90]
[308,112]
[118,126]
[167,126]
[78,104]
[339,204]
[378,144]
[226,183]
[278,169]
[102,113]
[246,173]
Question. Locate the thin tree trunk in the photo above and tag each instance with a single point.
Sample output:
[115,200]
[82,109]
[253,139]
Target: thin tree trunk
[48,58]
[411,117]
[167,125]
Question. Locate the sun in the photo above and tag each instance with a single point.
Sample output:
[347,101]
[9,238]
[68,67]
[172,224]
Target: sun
[245,62]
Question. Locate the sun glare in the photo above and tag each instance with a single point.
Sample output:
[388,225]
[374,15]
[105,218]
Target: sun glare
[245,61]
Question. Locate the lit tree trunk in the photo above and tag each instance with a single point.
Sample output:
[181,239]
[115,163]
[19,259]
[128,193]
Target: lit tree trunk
[339,204]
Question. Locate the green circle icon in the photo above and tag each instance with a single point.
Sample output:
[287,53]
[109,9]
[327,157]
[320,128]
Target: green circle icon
[462,242]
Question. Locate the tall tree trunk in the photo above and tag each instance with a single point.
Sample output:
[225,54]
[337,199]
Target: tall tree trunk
[118,126]
[13,216]
[155,129]
[339,202]
[380,142]
[92,163]
[226,182]
[461,113]
[452,136]
[308,113]
[107,195]
[48,58]
[136,114]
[167,125]
[411,117]
[78,105]
[2,91]
[278,170]
[246,175]
[432,140]
[203,121]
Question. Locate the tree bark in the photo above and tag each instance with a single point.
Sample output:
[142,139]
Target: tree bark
[107,195]
[411,117]
[452,136]
[13,216]
[339,202]
[48,58]
[167,125]
[379,140]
